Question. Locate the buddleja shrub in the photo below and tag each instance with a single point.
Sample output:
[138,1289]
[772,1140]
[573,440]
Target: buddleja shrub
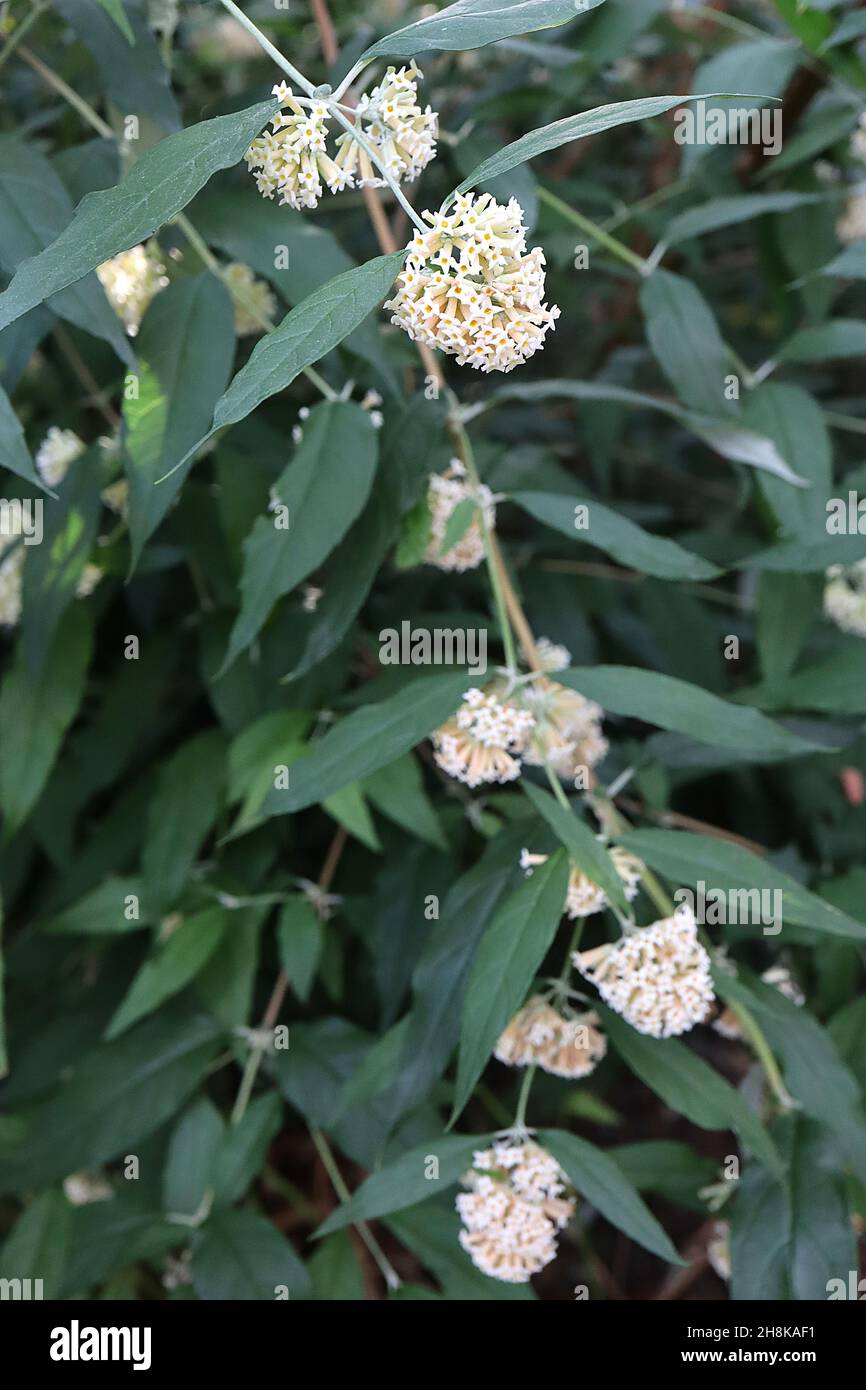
[433,594]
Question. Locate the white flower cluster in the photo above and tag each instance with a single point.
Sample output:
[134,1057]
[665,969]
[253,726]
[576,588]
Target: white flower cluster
[584,896]
[845,596]
[539,1036]
[292,159]
[567,732]
[445,493]
[81,1189]
[254,301]
[483,741]
[392,120]
[130,281]
[57,451]
[852,224]
[11,580]
[516,1204]
[858,139]
[470,288]
[658,977]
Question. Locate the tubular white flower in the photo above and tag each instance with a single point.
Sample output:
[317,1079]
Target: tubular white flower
[658,977]
[539,1036]
[845,597]
[471,289]
[392,120]
[583,896]
[483,741]
[57,451]
[291,159]
[445,493]
[518,1200]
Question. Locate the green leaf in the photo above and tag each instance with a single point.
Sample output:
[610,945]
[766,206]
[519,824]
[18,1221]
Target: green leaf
[687,858]
[729,212]
[616,535]
[13,448]
[687,709]
[35,713]
[54,567]
[239,1255]
[727,437]
[474,23]
[299,942]
[308,333]
[110,1099]
[133,77]
[397,790]
[367,739]
[34,209]
[324,489]
[791,1236]
[824,342]
[459,522]
[115,9]
[508,956]
[160,183]
[601,1181]
[101,912]
[335,1272]
[408,1179]
[584,849]
[242,1153]
[836,685]
[851,26]
[173,965]
[550,137]
[795,422]
[37,1245]
[668,1167]
[183,809]
[349,808]
[191,1158]
[787,608]
[850,264]
[185,350]
[685,341]
[688,1085]
[814,1072]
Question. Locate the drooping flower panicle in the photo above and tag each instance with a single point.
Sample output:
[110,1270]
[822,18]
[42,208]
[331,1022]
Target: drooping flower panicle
[657,977]
[518,1200]
[540,1036]
[471,288]
[483,741]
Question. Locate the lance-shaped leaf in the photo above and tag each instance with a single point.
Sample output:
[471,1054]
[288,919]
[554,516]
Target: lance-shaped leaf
[684,709]
[686,342]
[408,1180]
[686,858]
[728,438]
[34,209]
[616,535]
[729,212]
[510,953]
[307,334]
[584,849]
[14,453]
[240,1255]
[158,185]
[185,351]
[474,23]
[323,490]
[368,739]
[170,968]
[792,1235]
[35,713]
[688,1085]
[118,14]
[550,137]
[599,1179]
